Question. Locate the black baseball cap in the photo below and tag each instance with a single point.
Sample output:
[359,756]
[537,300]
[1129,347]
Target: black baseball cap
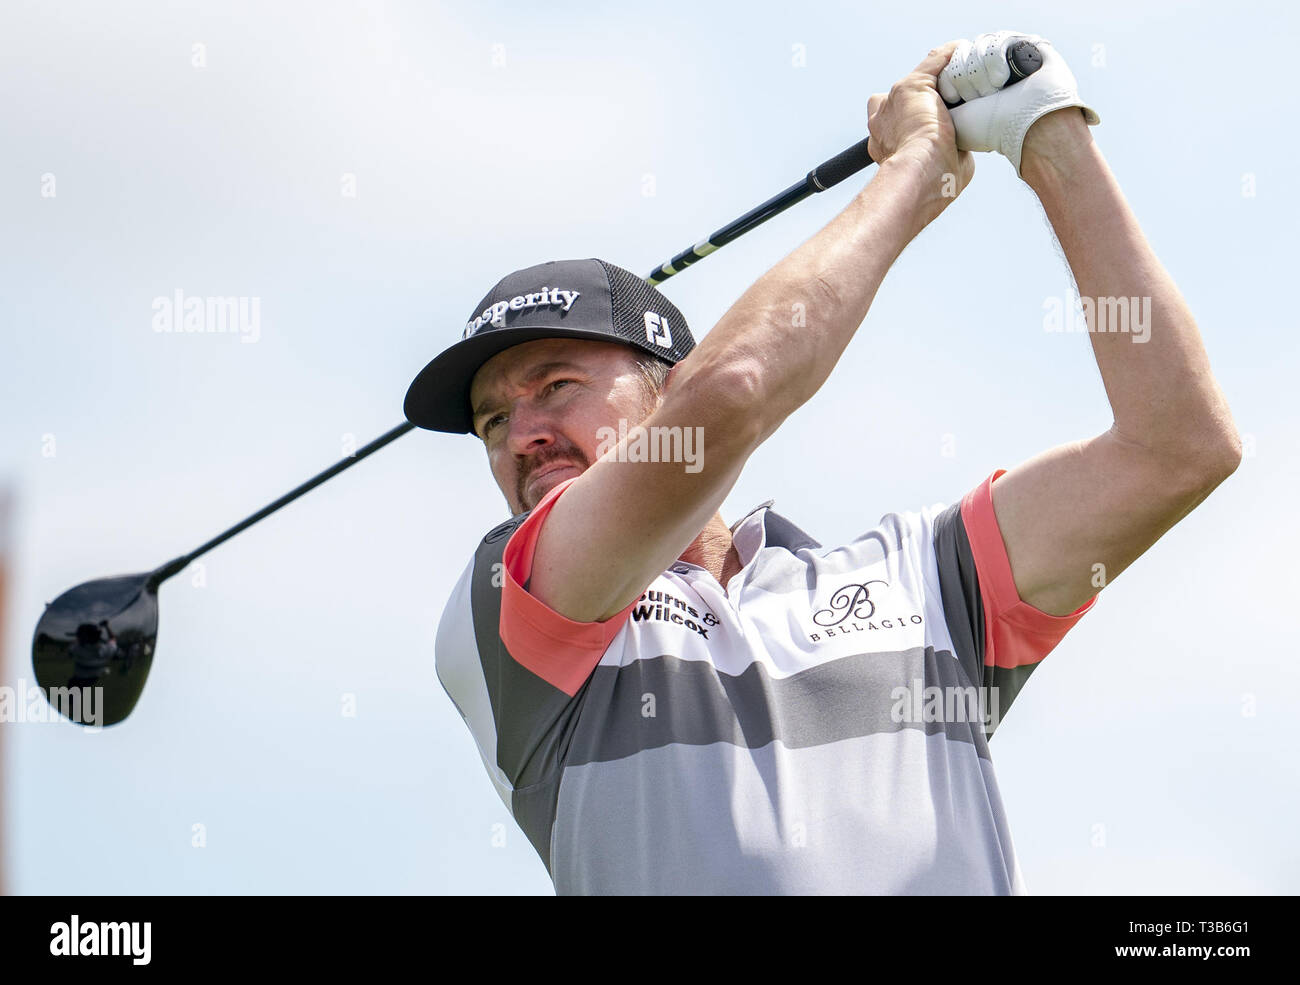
[573,299]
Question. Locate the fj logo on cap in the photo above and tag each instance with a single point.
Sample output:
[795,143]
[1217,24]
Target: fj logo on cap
[656,330]
[495,313]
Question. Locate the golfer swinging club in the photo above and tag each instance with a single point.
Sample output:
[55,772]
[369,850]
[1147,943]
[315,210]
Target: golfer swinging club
[669,704]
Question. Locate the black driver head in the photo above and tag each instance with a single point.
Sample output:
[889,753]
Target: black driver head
[94,645]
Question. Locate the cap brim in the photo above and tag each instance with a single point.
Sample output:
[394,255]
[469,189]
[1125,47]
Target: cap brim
[438,398]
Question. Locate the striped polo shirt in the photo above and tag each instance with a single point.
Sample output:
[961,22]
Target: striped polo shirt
[821,726]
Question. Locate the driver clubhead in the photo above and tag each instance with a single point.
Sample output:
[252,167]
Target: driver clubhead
[99,635]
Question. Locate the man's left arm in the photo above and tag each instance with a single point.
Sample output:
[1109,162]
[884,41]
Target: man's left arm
[1107,499]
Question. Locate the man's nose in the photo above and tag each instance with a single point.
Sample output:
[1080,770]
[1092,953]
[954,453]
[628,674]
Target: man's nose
[530,426]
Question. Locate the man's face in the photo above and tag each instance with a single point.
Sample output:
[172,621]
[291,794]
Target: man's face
[538,407]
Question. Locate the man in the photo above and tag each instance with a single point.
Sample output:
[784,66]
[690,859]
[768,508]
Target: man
[94,651]
[668,704]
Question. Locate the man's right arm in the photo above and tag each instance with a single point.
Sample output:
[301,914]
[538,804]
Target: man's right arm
[620,524]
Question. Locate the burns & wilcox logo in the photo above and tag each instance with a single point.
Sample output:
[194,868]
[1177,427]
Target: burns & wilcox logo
[660,606]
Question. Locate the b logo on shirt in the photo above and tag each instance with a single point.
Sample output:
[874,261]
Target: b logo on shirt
[852,599]
[853,602]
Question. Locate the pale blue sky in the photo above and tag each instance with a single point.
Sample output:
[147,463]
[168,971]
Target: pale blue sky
[226,180]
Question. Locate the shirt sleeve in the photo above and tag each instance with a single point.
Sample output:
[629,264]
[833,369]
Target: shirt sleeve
[555,648]
[516,671]
[999,637]
[513,667]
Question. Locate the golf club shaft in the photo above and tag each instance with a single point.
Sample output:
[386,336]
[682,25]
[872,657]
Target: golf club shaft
[825,175]
[1023,59]
[172,567]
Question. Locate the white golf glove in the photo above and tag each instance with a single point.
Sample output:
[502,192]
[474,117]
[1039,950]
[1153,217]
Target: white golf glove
[997,119]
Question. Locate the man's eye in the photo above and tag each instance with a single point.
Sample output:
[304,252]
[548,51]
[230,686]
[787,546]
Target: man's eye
[558,383]
[492,422]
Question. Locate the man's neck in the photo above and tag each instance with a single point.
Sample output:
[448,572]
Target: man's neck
[714,551]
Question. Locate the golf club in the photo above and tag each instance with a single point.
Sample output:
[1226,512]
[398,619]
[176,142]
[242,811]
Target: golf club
[104,633]
[1023,59]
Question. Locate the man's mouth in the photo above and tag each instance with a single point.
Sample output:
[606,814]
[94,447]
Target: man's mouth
[547,469]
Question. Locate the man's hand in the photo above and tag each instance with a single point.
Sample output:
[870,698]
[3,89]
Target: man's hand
[994,118]
[911,125]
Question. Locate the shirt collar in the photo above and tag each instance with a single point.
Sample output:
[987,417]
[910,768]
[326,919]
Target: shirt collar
[764,527]
[760,527]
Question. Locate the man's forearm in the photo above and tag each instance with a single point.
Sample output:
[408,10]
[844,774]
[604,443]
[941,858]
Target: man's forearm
[788,350]
[1161,390]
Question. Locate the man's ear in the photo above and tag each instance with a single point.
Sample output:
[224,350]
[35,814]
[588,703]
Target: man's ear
[668,380]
